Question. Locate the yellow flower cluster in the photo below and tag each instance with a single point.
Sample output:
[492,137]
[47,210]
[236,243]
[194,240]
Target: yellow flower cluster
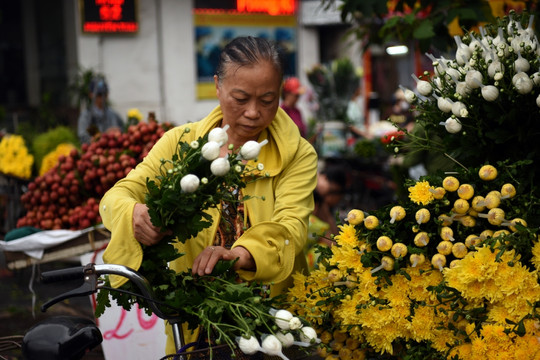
[377,287]
[51,159]
[14,157]
[495,342]
[135,114]
[420,193]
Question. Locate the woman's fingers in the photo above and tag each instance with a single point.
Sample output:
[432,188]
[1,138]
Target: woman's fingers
[207,259]
[143,229]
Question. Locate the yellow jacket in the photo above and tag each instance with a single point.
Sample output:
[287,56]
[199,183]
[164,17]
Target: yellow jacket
[278,231]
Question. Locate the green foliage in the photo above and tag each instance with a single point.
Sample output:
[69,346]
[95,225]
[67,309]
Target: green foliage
[334,85]
[221,305]
[46,142]
[425,21]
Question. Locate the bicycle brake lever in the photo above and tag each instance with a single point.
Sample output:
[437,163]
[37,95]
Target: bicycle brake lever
[88,287]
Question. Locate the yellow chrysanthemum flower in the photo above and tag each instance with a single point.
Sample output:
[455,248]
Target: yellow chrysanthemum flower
[536,255]
[134,114]
[346,257]
[51,159]
[422,323]
[420,193]
[14,157]
[347,235]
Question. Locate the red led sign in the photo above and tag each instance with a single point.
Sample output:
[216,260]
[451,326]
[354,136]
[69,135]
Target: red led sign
[272,7]
[109,16]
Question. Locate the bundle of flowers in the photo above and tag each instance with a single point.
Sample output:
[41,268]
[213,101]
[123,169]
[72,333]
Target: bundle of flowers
[483,106]
[450,274]
[235,313]
[15,159]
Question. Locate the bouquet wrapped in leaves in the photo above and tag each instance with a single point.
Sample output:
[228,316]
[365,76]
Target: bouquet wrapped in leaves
[195,179]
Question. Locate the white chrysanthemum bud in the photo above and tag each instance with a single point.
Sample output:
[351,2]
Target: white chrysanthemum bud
[308,335]
[282,319]
[287,339]
[210,150]
[424,88]
[444,104]
[452,125]
[517,76]
[260,166]
[248,346]
[495,67]
[220,166]
[457,106]
[194,144]
[272,346]
[536,78]
[538,101]
[452,75]
[462,88]
[189,183]
[463,54]
[473,79]
[521,64]
[410,96]
[475,45]
[499,39]
[250,150]
[522,83]
[219,135]
[498,76]
[490,93]
[295,323]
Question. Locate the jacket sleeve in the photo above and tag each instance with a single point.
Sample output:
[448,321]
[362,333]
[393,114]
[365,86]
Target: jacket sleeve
[82,125]
[275,244]
[116,206]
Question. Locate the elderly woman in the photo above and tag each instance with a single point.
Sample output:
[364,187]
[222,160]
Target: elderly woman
[247,81]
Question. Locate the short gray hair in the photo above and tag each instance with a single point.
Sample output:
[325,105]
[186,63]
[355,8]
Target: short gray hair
[248,50]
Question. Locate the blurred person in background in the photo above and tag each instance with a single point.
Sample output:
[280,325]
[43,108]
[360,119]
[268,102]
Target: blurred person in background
[98,117]
[290,93]
[331,184]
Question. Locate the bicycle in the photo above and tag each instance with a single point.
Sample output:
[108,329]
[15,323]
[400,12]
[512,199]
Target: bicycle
[71,337]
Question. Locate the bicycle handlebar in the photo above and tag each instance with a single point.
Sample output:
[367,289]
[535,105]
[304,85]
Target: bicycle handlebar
[63,274]
[90,273]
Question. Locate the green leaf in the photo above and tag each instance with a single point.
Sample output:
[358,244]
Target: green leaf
[424,30]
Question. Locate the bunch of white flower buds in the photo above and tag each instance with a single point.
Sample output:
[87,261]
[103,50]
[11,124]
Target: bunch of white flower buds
[508,54]
[273,344]
[219,166]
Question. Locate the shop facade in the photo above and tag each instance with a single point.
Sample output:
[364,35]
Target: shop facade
[151,67]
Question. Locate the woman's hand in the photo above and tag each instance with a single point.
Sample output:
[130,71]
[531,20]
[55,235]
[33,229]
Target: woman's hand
[205,262]
[143,229]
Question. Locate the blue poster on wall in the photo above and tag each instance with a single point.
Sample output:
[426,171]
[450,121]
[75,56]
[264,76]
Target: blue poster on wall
[214,31]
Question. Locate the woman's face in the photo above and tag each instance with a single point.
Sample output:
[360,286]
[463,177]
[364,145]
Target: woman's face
[249,99]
